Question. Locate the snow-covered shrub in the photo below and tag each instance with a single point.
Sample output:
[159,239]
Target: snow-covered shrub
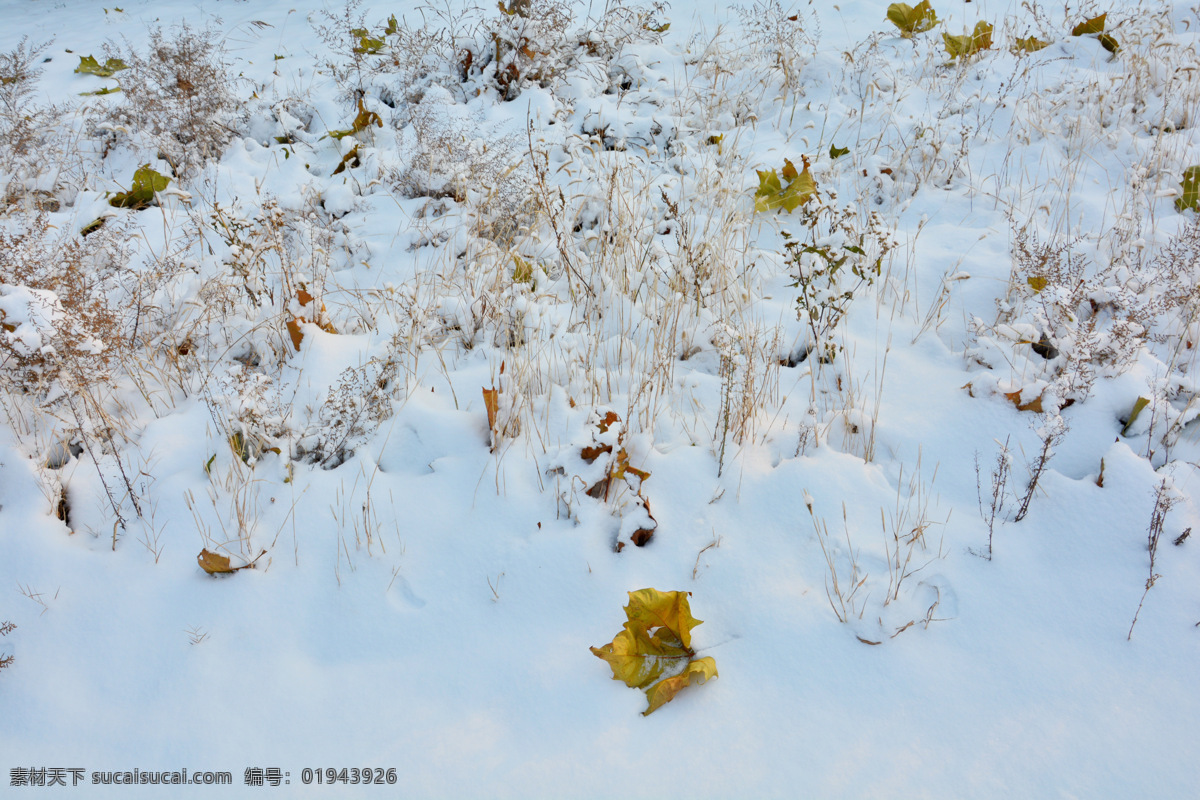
[56,310]
[24,127]
[179,93]
[1070,316]
[447,158]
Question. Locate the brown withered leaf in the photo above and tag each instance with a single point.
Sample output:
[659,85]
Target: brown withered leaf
[590,454]
[293,329]
[491,401]
[1033,405]
[214,563]
[642,536]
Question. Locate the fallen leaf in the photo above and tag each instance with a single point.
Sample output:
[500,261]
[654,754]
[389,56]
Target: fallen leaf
[88,65]
[663,692]
[293,329]
[1030,44]
[141,193]
[1033,405]
[653,651]
[213,563]
[912,19]
[590,454]
[1093,25]
[491,401]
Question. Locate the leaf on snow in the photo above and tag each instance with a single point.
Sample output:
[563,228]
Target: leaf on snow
[772,194]
[912,19]
[214,563]
[664,691]
[1093,25]
[491,401]
[88,65]
[1190,199]
[668,612]
[141,194]
[636,659]
[1030,44]
[656,641]
[836,152]
[979,39]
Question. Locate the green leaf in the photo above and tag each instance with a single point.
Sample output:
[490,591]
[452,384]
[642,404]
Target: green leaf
[1037,283]
[836,152]
[1190,199]
[1108,43]
[367,44]
[141,194]
[101,92]
[658,28]
[969,45]
[1138,405]
[364,120]
[393,27]
[912,20]
[1093,25]
[1030,44]
[88,65]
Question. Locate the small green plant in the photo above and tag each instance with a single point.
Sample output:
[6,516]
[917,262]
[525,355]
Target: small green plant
[1189,200]
[654,650]
[912,20]
[969,44]
[838,257]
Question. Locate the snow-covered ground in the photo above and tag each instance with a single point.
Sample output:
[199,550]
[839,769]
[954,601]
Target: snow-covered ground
[457,326]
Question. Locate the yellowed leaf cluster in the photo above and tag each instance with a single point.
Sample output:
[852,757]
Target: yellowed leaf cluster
[654,649]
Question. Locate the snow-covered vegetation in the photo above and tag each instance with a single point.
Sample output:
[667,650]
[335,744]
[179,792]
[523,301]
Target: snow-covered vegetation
[359,363]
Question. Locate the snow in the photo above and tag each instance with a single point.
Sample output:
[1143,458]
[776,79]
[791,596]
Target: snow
[426,581]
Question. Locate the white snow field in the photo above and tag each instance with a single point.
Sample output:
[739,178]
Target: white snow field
[357,362]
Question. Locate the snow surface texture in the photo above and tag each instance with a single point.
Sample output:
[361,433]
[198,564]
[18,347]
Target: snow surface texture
[289,357]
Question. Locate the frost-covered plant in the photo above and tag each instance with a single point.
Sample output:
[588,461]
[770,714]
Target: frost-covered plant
[783,36]
[179,92]
[450,160]
[840,254]
[22,125]
[352,411]
[57,309]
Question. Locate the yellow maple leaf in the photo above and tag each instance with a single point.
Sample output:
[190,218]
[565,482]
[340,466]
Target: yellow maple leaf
[656,642]
[665,690]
